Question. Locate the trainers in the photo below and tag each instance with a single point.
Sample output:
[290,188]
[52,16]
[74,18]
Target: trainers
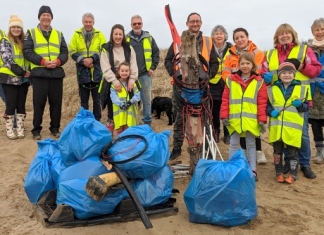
[308,173]
[56,134]
[261,159]
[227,139]
[176,152]
[280,178]
[286,168]
[290,179]
[37,136]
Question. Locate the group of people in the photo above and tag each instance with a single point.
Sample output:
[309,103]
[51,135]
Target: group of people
[247,85]
[126,62]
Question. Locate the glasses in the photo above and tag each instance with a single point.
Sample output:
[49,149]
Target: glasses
[137,23]
[15,27]
[194,21]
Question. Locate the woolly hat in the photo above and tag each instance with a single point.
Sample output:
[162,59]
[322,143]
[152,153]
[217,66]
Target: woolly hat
[44,9]
[15,21]
[286,66]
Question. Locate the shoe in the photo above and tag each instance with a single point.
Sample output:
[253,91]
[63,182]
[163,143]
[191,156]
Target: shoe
[176,152]
[286,168]
[319,159]
[37,136]
[255,174]
[308,173]
[9,127]
[227,139]
[56,134]
[280,178]
[290,179]
[261,159]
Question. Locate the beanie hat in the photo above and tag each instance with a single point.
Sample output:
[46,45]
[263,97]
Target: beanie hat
[286,66]
[45,9]
[15,21]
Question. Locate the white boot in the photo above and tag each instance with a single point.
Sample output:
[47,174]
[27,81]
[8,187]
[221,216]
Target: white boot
[9,127]
[261,159]
[20,125]
[319,159]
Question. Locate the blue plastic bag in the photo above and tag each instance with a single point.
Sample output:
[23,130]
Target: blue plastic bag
[72,193]
[222,193]
[153,159]
[83,137]
[155,189]
[39,179]
[57,167]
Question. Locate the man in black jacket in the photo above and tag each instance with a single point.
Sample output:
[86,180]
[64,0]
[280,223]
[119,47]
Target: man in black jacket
[194,24]
[47,51]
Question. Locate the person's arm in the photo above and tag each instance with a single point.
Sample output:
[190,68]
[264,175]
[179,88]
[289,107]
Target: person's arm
[258,58]
[213,62]
[155,55]
[168,61]
[269,108]
[227,67]
[136,97]
[312,68]
[262,100]
[73,48]
[303,108]
[224,111]
[108,74]
[114,97]
[264,66]
[28,50]
[96,56]
[7,58]
[133,67]
[64,52]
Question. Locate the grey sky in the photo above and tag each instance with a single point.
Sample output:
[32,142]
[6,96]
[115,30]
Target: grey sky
[259,17]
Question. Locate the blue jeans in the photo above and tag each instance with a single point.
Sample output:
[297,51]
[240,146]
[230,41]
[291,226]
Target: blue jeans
[146,97]
[304,153]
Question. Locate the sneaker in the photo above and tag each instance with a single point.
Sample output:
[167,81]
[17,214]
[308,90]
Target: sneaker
[261,159]
[280,178]
[37,136]
[227,139]
[308,173]
[176,152]
[286,168]
[290,179]
[56,134]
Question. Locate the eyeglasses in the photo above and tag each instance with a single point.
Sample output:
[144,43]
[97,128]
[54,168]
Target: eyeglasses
[194,21]
[137,23]
[15,27]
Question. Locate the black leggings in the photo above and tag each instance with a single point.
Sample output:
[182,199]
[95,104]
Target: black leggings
[257,143]
[15,98]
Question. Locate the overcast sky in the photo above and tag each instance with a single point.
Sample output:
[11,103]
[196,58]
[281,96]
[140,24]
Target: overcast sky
[259,17]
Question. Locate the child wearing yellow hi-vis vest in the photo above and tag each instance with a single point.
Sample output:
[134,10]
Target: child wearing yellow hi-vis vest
[286,106]
[125,104]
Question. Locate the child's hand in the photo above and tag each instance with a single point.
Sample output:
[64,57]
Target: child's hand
[123,106]
[225,122]
[263,127]
[128,104]
[297,103]
[274,113]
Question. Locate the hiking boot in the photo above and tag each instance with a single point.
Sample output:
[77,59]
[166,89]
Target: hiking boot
[308,173]
[280,178]
[227,139]
[286,168]
[37,136]
[319,159]
[56,134]
[261,159]
[290,179]
[176,152]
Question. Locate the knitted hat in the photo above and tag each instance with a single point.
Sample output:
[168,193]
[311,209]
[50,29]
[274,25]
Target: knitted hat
[15,21]
[286,66]
[45,9]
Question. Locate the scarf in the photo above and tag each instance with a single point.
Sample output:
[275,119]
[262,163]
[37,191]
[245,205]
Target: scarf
[220,51]
[87,36]
[318,43]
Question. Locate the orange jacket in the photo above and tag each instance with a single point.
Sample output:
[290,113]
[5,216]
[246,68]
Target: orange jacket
[231,61]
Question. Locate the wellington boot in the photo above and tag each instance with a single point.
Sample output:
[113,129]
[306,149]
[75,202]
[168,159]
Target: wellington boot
[20,125]
[9,127]
[319,159]
[280,178]
[290,179]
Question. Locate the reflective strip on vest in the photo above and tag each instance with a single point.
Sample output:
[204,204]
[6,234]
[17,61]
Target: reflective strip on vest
[243,107]
[18,58]
[288,125]
[218,75]
[125,117]
[147,47]
[50,49]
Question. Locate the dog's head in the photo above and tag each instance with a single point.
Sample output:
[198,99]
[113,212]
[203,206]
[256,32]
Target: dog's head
[155,103]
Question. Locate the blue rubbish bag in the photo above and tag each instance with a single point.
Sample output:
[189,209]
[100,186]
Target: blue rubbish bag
[39,179]
[155,189]
[222,193]
[83,137]
[57,167]
[73,193]
[153,159]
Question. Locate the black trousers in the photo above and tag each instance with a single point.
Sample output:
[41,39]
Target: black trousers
[278,148]
[109,104]
[43,89]
[84,92]
[15,98]
[216,117]
[257,143]
[317,129]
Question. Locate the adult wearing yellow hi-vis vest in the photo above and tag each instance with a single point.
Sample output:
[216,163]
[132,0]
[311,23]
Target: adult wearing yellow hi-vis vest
[85,47]
[47,51]
[14,74]
[2,34]
[147,57]
[288,48]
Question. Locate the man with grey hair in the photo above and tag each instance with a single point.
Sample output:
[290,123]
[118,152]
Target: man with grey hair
[147,57]
[85,47]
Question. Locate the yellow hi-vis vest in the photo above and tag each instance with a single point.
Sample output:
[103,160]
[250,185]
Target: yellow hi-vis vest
[147,47]
[297,52]
[50,49]
[288,126]
[78,45]
[243,109]
[125,117]
[18,58]
[218,75]
[2,33]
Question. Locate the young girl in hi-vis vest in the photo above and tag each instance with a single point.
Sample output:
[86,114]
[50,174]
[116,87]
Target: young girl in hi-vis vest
[125,104]
[243,109]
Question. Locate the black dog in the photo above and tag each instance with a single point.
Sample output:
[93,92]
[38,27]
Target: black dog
[160,104]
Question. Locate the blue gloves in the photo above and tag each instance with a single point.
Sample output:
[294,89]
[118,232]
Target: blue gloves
[297,103]
[274,113]
[267,77]
[263,127]
[225,122]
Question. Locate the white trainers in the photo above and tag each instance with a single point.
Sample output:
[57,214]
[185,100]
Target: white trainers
[261,159]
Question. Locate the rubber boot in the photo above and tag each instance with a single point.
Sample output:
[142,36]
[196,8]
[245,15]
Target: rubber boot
[319,159]
[20,125]
[9,127]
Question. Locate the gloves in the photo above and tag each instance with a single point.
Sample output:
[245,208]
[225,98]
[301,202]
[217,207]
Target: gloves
[297,103]
[263,127]
[128,104]
[267,77]
[274,113]
[225,122]
[294,62]
[123,106]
